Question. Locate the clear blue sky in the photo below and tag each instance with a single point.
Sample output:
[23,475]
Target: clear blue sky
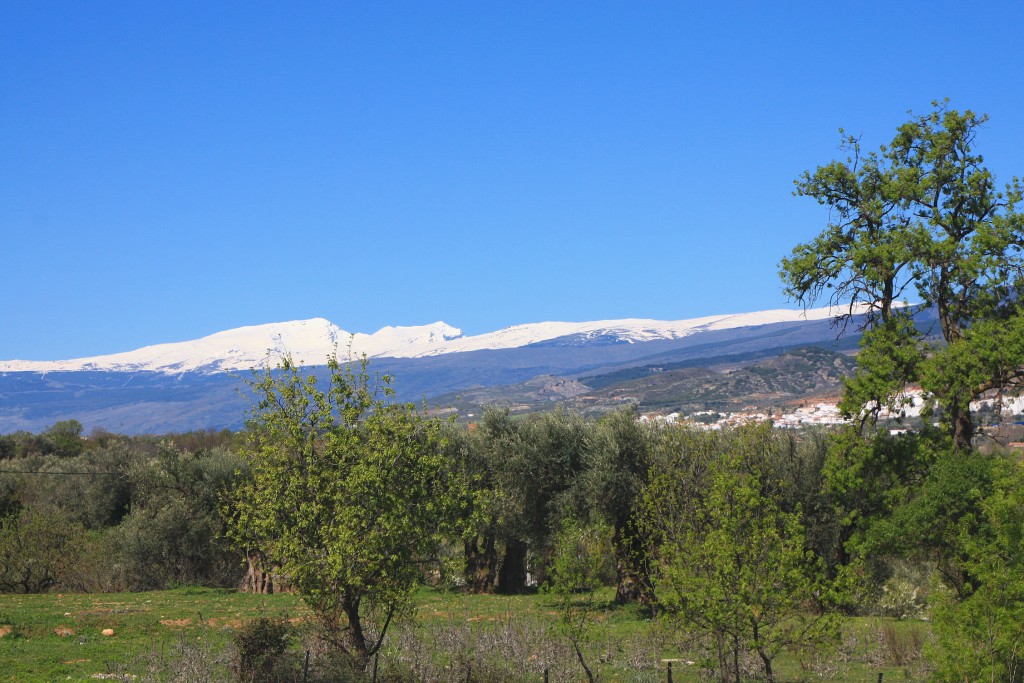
[169,170]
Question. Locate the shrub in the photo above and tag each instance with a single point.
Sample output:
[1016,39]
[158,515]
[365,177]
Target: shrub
[38,547]
[260,647]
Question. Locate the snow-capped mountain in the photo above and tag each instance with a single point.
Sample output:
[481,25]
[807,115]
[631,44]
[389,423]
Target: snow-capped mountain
[311,342]
[307,341]
[201,384]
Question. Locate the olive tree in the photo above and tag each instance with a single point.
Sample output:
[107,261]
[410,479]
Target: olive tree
[526,474]
[620,468]
[347,496]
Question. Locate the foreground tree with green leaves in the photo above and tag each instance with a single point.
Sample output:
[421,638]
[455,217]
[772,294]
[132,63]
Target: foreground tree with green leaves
[979,627]
[348,497]
[733,565]
[921,217]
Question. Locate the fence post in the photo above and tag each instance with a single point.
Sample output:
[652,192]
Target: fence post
[668,665]
[880,675]
[545,675]
[305,668]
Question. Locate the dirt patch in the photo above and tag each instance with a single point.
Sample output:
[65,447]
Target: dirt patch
[4,630]
[176,623]
[63,631]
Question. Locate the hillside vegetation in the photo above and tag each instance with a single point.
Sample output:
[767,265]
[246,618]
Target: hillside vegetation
[763,380]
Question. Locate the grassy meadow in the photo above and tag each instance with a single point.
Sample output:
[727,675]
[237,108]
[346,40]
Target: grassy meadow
[186,635]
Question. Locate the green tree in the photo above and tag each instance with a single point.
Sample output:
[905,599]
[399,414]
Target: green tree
[930,519]
[65,438]
[347,496]
[734,565]
[619,470]
[866,479]
[923,216]
[979,633]
[581,564]
[530,470]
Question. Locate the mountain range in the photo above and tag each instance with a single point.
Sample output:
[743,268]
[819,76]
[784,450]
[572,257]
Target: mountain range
[311,341]
[200,384]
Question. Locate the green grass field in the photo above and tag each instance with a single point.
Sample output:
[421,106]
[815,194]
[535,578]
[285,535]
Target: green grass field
[53,637]
[159,635]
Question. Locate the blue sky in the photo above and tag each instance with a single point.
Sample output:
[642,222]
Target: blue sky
[169,170]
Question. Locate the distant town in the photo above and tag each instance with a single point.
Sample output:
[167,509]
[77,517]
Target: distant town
[1004,413]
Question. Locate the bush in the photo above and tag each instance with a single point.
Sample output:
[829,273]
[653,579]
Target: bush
[38,549]
[260,647]
[904,589]
[98,568]
[174,533]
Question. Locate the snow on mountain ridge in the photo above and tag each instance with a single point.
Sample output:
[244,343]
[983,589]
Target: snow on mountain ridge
[312,341]
[235,349]
[388,338]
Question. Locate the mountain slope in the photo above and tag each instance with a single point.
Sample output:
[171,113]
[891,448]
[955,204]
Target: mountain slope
[802,372]
[307,341]
[178,387]
[312,341]
[766,379]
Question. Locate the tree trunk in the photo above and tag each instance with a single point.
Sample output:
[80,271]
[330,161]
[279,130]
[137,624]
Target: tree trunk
[963,428]
[633,583]
[355,639]
[627,588]
[736,658]
[256,579]
[723,659]
[583,661]
[512,575]
[481,565]
[768,675]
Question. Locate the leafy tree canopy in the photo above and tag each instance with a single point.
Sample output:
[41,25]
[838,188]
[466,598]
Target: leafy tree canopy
[920,219]
[348,496]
